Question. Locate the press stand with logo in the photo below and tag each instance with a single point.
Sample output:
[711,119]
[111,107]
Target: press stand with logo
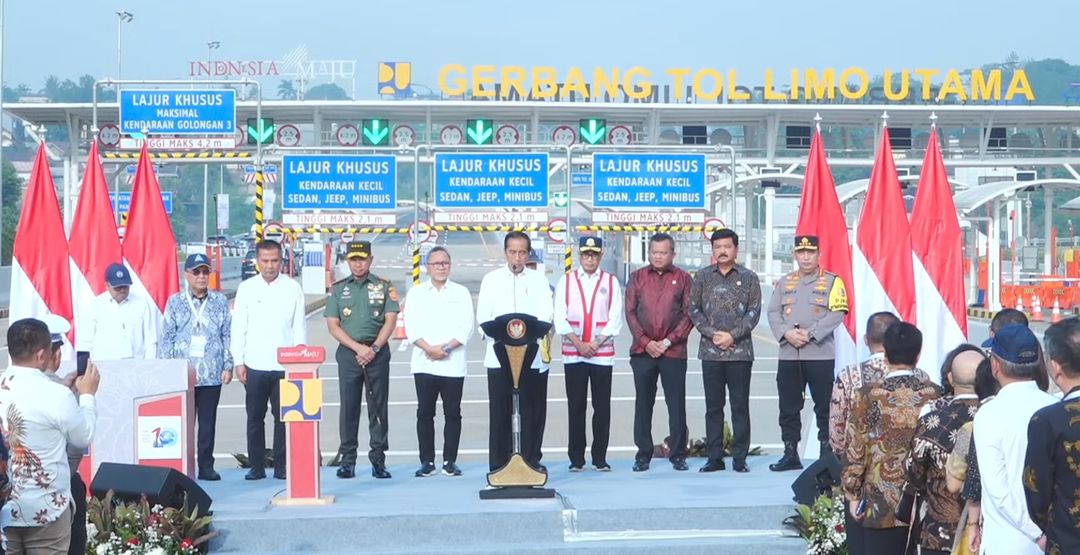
[516,338]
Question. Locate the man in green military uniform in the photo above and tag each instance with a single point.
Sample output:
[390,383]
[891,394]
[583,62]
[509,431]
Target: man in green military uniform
[361,313]
[806,306]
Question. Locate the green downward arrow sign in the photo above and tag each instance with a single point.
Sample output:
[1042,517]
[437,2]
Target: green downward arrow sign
[261,133]
[479,135]
[594,132]
[376,133]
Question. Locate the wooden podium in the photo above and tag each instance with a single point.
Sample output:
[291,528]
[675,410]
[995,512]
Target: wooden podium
[516,338]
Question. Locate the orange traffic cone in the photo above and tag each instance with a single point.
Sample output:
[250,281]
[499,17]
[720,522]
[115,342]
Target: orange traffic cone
[1036,309]
[399,329]
[1055,313]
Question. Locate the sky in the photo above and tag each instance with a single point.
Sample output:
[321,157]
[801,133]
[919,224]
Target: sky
[70,38]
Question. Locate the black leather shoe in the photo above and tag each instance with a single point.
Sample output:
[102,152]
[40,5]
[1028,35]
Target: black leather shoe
[209,475]
[541,468]
[680,465]
[641,466]
[379,471]
[255,474]
[346,470]
[279,475]
[426,469]
[451,469]
[740,466]
[713,466]
[790,460]
[576,467]
[602,467]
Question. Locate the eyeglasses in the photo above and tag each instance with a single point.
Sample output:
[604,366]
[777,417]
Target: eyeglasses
[439,264]
[200,271]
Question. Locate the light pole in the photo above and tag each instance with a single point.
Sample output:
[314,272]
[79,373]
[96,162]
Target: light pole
[210,47]
[122,17]
[1,131]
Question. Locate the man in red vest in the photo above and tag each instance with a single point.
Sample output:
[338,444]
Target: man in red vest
[588,317]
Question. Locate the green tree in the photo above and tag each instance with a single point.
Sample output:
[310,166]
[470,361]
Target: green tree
[286,90]
[326,91]
[11,208]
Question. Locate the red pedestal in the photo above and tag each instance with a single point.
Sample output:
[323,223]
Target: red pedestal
[301,410]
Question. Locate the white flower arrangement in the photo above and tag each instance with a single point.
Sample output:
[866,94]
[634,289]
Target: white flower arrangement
[822,525]
[139,529]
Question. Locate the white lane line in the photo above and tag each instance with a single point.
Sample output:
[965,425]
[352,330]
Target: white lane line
[553,374]
[626,399]
[646,535]
[546,448]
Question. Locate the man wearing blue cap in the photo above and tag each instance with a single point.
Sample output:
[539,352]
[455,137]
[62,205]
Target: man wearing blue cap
[197,328]
[121,325]
[1001,439]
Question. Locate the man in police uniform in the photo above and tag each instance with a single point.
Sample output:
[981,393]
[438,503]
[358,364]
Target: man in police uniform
[806,306]
[361,313]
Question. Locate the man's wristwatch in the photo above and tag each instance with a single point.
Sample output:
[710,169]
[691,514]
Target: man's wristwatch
[375,348]
[447,349]
[667,343]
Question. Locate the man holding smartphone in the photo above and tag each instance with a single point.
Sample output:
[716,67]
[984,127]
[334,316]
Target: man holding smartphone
[42,420]
[197,328]
[58,328]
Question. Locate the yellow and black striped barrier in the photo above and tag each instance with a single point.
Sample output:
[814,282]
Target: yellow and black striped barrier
[654,228]
[416,265]
[439,228]
[203,155]
[259,180]
[505,228]
[568,259]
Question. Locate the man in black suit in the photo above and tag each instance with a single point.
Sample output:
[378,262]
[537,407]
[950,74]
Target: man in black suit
[1050,477]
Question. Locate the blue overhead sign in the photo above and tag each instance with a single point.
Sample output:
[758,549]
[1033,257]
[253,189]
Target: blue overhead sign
[329,182]
[581,179]
[181,112]
[125,201]
[491,180]
[649,181]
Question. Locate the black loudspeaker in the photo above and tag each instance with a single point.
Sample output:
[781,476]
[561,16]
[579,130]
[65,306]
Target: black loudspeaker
[161,486]
[819,478]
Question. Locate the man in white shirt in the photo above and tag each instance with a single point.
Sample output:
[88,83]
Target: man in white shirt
[121,324]
[515,288]
[268,313]
[1001,442]
[440,323]
[40,419]
[588,317]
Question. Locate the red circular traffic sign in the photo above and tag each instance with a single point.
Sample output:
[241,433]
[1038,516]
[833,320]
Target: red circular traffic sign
[620,135]
[451,135]
[404,135]
[288,135]
[347,135]
[557,236]
[507,135]
[564,135]
[706,232]
[109,136]
[424,227]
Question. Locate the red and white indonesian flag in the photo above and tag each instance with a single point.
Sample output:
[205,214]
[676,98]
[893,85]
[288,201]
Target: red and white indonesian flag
[938,263]
[94,242]
[820,214]
[40,283]
[882,263]
[149,244]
